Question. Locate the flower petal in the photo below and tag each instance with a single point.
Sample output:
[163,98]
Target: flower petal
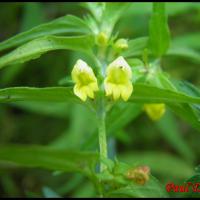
[79,91]
[118,63]
[94,86]
[108,88]
[116,92]
[89,91]
[126,91]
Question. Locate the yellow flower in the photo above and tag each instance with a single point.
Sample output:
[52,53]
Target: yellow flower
[85,80]
[155,111]
[118,79]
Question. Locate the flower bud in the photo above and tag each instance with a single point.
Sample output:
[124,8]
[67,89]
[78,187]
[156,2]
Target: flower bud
[102,39]
[140,175]
[155,111]
[121,44]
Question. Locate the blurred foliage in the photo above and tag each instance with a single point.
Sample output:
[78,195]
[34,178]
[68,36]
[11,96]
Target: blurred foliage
[170,147]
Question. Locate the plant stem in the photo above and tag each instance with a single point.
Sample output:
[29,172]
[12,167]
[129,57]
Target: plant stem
[102,134]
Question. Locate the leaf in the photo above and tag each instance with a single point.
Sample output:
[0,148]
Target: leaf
[168,165]
[135,47]
[156,78]
[177,100]
[62,25]
[32,15]
[51,94]
[187,113]
[111,14]
[162,80]
[159,36]
[46,157]
[37,47]
[188,40]
[95,8]
[151,189]
[185,52]
[170,131]
[186,87]
[144,93]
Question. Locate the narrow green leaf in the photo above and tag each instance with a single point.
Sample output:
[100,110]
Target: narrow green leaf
[186,87]
[185,52]
[33,15]
[187,113]
[144,93]
[96,9]
[159,36]
[62,25]
[47,158]
[37,47]
[136,47]
[51,94]
[188,40]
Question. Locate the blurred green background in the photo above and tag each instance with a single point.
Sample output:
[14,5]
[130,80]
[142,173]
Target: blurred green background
[170,146]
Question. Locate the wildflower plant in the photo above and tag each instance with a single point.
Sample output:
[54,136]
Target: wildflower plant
[112,77]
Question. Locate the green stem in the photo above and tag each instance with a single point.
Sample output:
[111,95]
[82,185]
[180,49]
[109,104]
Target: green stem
[102,135]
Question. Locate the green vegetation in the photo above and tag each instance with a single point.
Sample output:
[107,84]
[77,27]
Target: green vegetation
[126,120]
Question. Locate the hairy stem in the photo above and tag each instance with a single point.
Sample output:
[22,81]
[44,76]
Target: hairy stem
[102,134]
